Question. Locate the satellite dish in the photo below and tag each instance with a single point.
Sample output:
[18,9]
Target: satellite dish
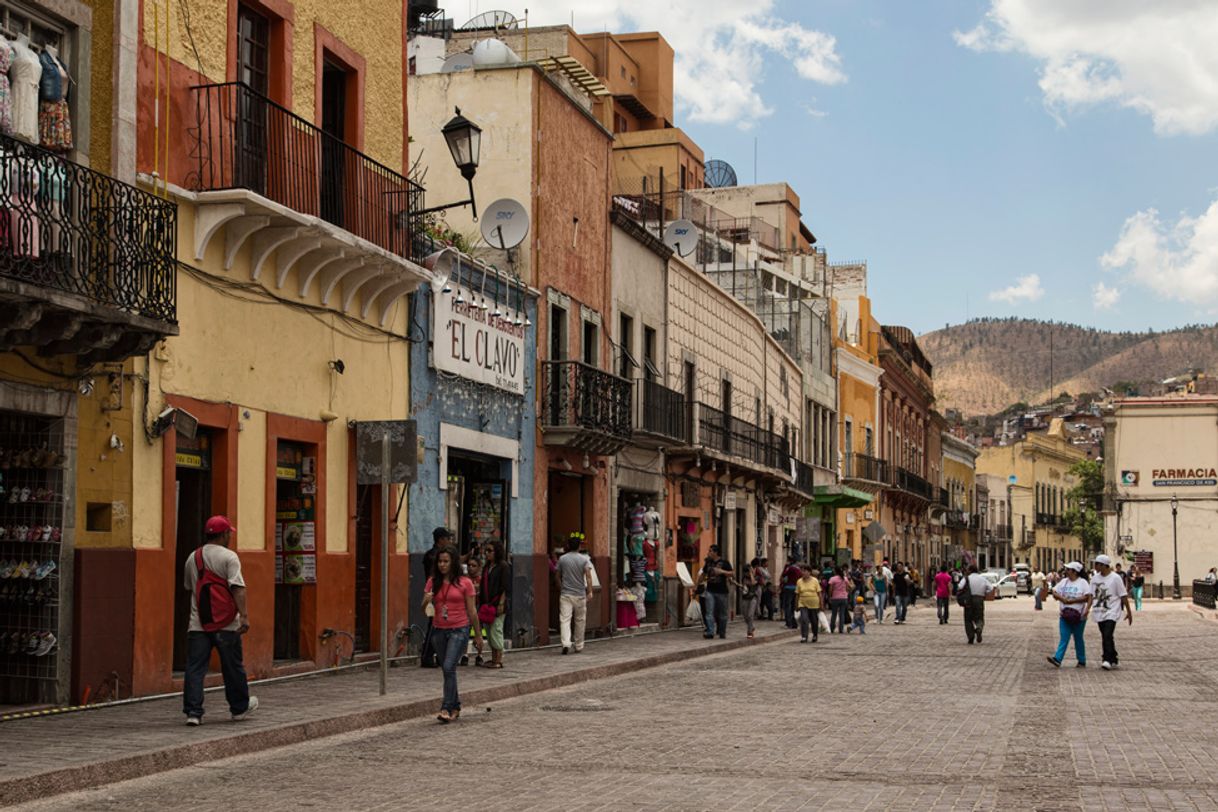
[505,224]
[457,62]
[492,19]
[719,174]
[682,235]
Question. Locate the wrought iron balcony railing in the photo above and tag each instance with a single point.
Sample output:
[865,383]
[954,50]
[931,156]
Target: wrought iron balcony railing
[805,481]
[1027,540]
[1002,532]
[865,467]
[585,407]
[910,482]
[662,411]
[247,141]
[740,438]
[72,229]
[943,497]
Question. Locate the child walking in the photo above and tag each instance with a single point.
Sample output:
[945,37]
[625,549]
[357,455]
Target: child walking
[860,615]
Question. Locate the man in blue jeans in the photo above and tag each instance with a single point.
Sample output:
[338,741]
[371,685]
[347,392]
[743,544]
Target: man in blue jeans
[715,575]
[218,559]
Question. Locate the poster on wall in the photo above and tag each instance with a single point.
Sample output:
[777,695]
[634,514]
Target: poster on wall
[295,553]
[470,342]
[486,512]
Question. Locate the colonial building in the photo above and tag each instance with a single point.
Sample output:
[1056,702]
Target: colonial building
[961,518]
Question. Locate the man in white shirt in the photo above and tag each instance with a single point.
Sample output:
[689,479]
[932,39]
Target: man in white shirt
[1111,598]
[1038,588]
[575,581]
[979,589]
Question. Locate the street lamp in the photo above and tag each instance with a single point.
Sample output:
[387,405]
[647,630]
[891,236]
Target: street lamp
[1175,551]
[464,139]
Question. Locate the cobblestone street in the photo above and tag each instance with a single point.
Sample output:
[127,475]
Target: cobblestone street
[906,718]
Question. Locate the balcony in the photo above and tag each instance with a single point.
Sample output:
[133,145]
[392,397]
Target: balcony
[1050,520]
[585,408]
[661,417]
[738,438]
[956,520]
[1027,540]
[331,213]
[805,478]
[1002,533]
[910,483]
[88,264]
[864,469]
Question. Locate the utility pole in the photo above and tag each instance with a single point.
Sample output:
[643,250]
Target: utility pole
[1175,576]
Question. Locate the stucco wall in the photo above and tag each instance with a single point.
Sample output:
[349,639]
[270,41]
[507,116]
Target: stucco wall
[639,290]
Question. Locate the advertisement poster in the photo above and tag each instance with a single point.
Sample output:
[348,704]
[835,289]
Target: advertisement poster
[295,553]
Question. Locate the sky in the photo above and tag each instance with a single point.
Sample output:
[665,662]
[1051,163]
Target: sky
[1053,159]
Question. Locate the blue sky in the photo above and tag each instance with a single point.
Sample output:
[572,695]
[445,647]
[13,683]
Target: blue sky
[958,166]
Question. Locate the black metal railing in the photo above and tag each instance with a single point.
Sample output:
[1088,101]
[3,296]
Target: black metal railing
[72,229]
[1002,532]
[740,438]
[247,141]
[1028,540]
[865,466]
[804,478]
[662,411]
[943,497]
[581,396]
[910,482]
[777,452]
[1204,594]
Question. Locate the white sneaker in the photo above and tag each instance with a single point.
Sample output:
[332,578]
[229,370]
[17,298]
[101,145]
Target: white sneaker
[193,721]
[1107,666]
[253,706]
[1115,666]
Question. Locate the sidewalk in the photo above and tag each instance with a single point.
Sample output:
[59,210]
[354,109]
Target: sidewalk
[55,754]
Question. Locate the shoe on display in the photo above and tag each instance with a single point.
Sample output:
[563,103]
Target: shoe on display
[44,569]
[33,642]
[45,645]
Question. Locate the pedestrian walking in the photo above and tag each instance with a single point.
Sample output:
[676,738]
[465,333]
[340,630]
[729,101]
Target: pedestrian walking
[450,596]
[575,589]
[790,577]
[943,593]
[979,591]
[715,574]
[492,599]
[879,589]
[808,598]
[1110,600]
[218,618]
[1137,583]
[839,601]
[1038,588]
[1074,593]
[901,587]
[765,584]
[915,586]
[750,596]
[859,623]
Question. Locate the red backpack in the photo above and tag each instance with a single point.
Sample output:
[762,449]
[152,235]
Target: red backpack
[217,608]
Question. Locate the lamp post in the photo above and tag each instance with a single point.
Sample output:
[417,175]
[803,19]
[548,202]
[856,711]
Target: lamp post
[464,139]
[1175,551]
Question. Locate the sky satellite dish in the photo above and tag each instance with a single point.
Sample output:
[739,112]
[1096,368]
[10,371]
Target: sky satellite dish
[681,236]
[719,174]
[505,224]
[458,62]
[492,19]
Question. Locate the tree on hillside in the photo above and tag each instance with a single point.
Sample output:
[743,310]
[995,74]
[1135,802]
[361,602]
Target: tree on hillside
[1082,516]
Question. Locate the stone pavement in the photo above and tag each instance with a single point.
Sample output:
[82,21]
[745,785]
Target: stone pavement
[906,718]
[46,755]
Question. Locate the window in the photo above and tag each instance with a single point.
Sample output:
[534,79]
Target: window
[782,382]
[868,442]
[253,46]
[683,177]
[650,371]
[625,340]
[725,398]
[558,333]
[591,344]
[849,444]
[620,124]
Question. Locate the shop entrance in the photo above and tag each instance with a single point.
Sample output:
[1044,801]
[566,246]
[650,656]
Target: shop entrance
[636,557]
[566,514]
[477,508]
[295,542]
[193,492]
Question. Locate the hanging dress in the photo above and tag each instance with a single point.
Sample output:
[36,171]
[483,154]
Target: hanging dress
[54,119]
[6,91]
[25,73]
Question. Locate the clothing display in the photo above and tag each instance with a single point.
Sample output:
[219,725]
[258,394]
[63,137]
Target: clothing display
[6,92]
[650,549]
[651,524]
[25,75]
[55,125]
[634,520]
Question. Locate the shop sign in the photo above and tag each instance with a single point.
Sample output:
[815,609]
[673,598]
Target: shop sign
[1144,560]
[1129,479]
[1184,477]
[193,452]
[469,342]
[729,500]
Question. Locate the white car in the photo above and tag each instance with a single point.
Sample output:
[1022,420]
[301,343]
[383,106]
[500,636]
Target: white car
[1004,585]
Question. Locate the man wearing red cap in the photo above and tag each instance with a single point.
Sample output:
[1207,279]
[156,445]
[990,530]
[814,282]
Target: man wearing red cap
[216,558]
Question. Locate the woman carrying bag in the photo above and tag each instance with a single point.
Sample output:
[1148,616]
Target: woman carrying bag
[492,608]
[1074,593]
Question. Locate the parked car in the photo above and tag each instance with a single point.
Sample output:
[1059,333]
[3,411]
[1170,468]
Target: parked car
[1004,585]
[1023,578]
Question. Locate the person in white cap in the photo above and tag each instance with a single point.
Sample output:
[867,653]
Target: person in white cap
[1111,599]
[1074,594]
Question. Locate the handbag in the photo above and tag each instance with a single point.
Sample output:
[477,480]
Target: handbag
[964,594]
[1071,615]
[487,613]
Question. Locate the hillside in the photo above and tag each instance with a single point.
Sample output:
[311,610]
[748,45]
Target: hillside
[987,364]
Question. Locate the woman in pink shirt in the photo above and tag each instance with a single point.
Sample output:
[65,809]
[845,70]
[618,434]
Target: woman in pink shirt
[451,599]
[839,604]
[943,592]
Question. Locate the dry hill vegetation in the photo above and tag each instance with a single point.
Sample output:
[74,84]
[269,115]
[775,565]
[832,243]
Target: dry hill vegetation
[987,364]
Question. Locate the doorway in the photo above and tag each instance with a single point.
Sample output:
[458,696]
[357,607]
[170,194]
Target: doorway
[566,514]
[253,109]
[193,491]
[334,80]
[295,542]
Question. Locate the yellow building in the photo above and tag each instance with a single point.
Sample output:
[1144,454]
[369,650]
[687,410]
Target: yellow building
[1036,496]
[961,519]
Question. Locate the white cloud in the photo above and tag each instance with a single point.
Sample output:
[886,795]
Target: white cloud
[1158,57]
[1104,297]
[720,48]
[1177,261]
[1026,289]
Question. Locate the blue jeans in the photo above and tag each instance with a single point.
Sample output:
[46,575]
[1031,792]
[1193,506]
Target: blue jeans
[198,656]
[902,607]
[787,599]
[1137,598]
[1038,592]
[714,605]
[1066,631]
[450,644]
[881,600]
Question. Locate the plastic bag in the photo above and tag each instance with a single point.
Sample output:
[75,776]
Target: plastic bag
[693,612]
[823,620]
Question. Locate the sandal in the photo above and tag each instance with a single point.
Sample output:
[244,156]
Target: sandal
[493,665]
[478,660]
[444,716]
[454,715]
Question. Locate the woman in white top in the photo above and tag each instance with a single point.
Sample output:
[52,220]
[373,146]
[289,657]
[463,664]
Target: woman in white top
[1074,594]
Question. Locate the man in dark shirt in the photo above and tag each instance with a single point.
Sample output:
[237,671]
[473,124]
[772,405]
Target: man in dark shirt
[790,577]
[902,587]
[439,537]
[716,573]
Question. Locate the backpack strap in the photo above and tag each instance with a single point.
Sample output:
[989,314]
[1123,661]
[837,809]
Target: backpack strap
[199,562]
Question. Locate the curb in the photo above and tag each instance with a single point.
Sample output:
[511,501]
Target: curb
[87,776]
[1203,613]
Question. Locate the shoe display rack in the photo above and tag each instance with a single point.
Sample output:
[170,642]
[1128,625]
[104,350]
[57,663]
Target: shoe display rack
[32,508]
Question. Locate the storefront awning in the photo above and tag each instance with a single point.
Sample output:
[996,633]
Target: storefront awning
[841,496]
